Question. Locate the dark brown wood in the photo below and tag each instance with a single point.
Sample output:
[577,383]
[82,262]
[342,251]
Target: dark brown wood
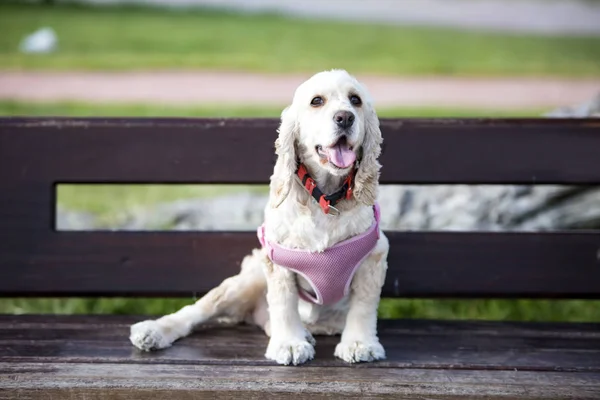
[35,154]
[91,355]
[47,150]
[524,330]
[409,344]
[102,381]
[421,264]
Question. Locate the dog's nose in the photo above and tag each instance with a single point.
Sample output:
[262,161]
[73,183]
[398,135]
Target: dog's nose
[344,119]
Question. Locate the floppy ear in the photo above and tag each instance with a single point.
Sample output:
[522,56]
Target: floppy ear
[286,164]
[366,180]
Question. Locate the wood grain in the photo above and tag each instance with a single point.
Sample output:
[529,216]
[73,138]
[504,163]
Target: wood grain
[81,380]
[409,344]
[199,150]
[421,264]
[90,357]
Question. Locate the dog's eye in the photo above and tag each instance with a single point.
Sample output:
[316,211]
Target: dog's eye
[354,99]
[317,101]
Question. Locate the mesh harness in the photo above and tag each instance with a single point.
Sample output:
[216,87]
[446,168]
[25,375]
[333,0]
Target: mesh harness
[330,272]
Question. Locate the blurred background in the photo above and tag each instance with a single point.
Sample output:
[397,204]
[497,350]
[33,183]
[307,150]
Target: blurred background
[237,58]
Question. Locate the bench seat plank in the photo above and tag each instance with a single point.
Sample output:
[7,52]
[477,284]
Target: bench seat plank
[409,344]
[122,381]
[443,359]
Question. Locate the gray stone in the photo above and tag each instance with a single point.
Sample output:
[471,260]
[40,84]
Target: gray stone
[74,221]
[590,108]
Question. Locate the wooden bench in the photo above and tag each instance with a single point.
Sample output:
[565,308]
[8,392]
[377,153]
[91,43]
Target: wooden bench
[47,356]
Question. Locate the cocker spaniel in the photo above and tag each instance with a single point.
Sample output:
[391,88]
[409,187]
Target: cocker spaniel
[323,258]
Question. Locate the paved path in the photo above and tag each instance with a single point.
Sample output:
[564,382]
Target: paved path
[535,16]
[218,88]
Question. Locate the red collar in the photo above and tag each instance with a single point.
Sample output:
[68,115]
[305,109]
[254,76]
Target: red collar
[325,201]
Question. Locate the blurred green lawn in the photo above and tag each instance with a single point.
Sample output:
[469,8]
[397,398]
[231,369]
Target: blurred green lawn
[117,38]
[102,200]
[81,109]
[511,310]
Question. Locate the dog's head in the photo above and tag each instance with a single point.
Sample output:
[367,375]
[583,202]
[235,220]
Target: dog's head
[331,127]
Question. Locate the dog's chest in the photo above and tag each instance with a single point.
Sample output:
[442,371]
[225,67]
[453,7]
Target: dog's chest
[309,228]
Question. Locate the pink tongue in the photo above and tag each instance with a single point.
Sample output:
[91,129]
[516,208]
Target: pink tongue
[341,155]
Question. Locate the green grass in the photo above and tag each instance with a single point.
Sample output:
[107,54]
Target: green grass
[117,38]
[101,200]
[82,109]
[512,310]
[107,203]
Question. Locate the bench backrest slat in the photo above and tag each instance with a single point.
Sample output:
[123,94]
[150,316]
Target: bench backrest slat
[36,154]
[422,264]
[241,151]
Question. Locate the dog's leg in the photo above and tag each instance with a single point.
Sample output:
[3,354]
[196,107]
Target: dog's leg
[235,297]
[290,341]
[359,340]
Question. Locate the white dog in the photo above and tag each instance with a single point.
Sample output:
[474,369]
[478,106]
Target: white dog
[324,259]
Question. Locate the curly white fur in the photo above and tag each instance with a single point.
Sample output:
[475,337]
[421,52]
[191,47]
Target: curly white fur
[266,294]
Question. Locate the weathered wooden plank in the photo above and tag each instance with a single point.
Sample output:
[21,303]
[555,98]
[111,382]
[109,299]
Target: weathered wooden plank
[409,344]
[200,150]
[421,264]
[409,352]
[98,323]
[81,380]
[114,337]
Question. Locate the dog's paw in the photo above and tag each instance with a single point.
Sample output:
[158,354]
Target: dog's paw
[357,351]
[286,352]
[148,335]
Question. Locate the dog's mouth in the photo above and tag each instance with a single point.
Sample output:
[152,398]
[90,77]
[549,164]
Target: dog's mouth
[341,154]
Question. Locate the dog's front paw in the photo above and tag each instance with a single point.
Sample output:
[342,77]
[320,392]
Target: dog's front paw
[286,352]
[148,335]
[354,351]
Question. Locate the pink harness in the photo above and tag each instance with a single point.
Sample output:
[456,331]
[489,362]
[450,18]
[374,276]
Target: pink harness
[330,272]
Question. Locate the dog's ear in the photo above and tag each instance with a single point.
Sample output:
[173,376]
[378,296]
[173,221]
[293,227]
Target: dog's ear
[366,180]
[286,164]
